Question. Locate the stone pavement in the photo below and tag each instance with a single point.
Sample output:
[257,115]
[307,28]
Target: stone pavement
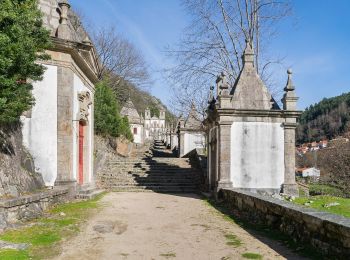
[165,226]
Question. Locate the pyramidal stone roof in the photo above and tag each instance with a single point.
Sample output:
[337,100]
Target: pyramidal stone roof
[249,91]
[130,112]
[192,119]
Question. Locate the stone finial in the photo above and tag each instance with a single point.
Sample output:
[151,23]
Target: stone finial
[211,95]
[289,86]
[87,41]
[248,55]
[222,84]
[181,122]
[289,99]
[63,30]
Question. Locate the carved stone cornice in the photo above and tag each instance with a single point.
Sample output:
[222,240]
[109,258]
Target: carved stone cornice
[83,54]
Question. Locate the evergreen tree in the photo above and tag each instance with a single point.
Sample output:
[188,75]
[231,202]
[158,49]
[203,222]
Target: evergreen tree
[23,40]
[108,121]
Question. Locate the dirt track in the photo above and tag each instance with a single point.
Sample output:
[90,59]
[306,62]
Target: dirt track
[160,226]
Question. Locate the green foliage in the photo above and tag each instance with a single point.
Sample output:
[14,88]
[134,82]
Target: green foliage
[232,240]
[252,256]
[108,121]
[323,189]
[326,119]
[319,202]
[44,234]
[22,42]
[154,110]
[10,254]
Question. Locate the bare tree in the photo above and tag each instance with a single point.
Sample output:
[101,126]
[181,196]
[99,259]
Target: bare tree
[120,60]
[215,40]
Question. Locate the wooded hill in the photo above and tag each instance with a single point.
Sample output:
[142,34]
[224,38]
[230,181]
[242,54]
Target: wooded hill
[325,120]
[142,99]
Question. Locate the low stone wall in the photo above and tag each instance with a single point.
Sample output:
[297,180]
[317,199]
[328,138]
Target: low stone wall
[327,232]
[29,206]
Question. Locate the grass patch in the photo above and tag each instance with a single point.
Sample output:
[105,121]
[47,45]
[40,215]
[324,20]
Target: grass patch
[168,255]
[232,240]
[45,234]
[319,202]
[322,189]
[9,254]
[252,256]
[266,231]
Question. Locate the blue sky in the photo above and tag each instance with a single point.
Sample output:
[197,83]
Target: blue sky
[315,41]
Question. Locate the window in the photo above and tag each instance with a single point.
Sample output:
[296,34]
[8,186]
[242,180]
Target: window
[135,130]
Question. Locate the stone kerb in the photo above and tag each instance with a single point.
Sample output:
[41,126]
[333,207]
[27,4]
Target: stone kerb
[324,231]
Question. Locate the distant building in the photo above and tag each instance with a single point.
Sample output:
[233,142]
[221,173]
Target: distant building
[154,126]
[135,120]
[308,172]
[191,134]
[148,128]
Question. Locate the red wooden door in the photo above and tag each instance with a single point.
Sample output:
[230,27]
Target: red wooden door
[81,153]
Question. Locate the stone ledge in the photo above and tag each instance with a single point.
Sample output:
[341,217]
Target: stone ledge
[325,231]
[23,200]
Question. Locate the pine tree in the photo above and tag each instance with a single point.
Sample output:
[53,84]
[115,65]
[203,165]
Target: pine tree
[23,40]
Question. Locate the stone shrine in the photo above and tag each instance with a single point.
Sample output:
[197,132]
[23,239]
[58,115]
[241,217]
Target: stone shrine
[251,141]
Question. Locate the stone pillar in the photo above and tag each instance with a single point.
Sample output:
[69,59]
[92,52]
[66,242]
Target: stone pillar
[65,96]
[290,187]
[289,100]
[224,146]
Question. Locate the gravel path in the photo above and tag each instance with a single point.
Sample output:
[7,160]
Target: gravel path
[162,226]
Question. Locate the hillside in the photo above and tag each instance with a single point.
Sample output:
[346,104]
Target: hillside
[141,99]
[325,120]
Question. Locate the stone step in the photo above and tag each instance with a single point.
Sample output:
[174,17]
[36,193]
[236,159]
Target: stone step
[156,189]
[89,195]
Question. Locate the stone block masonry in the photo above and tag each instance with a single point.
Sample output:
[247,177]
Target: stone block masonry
[328,233]
[29,207]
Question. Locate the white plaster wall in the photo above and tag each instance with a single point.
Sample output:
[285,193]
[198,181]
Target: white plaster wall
[257,155]
[138,136]
[193,141]
[78,87]
[175,141]
[40,131]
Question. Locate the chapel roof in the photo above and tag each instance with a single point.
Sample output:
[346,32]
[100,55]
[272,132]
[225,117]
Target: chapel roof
[249,91]
[192,120]
[130,112]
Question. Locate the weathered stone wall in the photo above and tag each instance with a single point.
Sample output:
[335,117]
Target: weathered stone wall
[28,207]
[327,232]
[257,155]
[17,170]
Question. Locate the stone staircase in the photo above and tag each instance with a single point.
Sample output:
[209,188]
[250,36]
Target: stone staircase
[157,170]
[88,192]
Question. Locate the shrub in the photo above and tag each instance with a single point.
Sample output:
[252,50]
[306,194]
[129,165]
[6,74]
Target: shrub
[108,121]
[23,40]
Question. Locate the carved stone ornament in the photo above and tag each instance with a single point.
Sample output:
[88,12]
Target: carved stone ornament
[85,102]
[222,84]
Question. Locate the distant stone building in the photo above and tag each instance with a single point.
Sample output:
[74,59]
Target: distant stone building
[135,120]
[191,133]
[154,126]
[59,129]
[251,141]
[144,129]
